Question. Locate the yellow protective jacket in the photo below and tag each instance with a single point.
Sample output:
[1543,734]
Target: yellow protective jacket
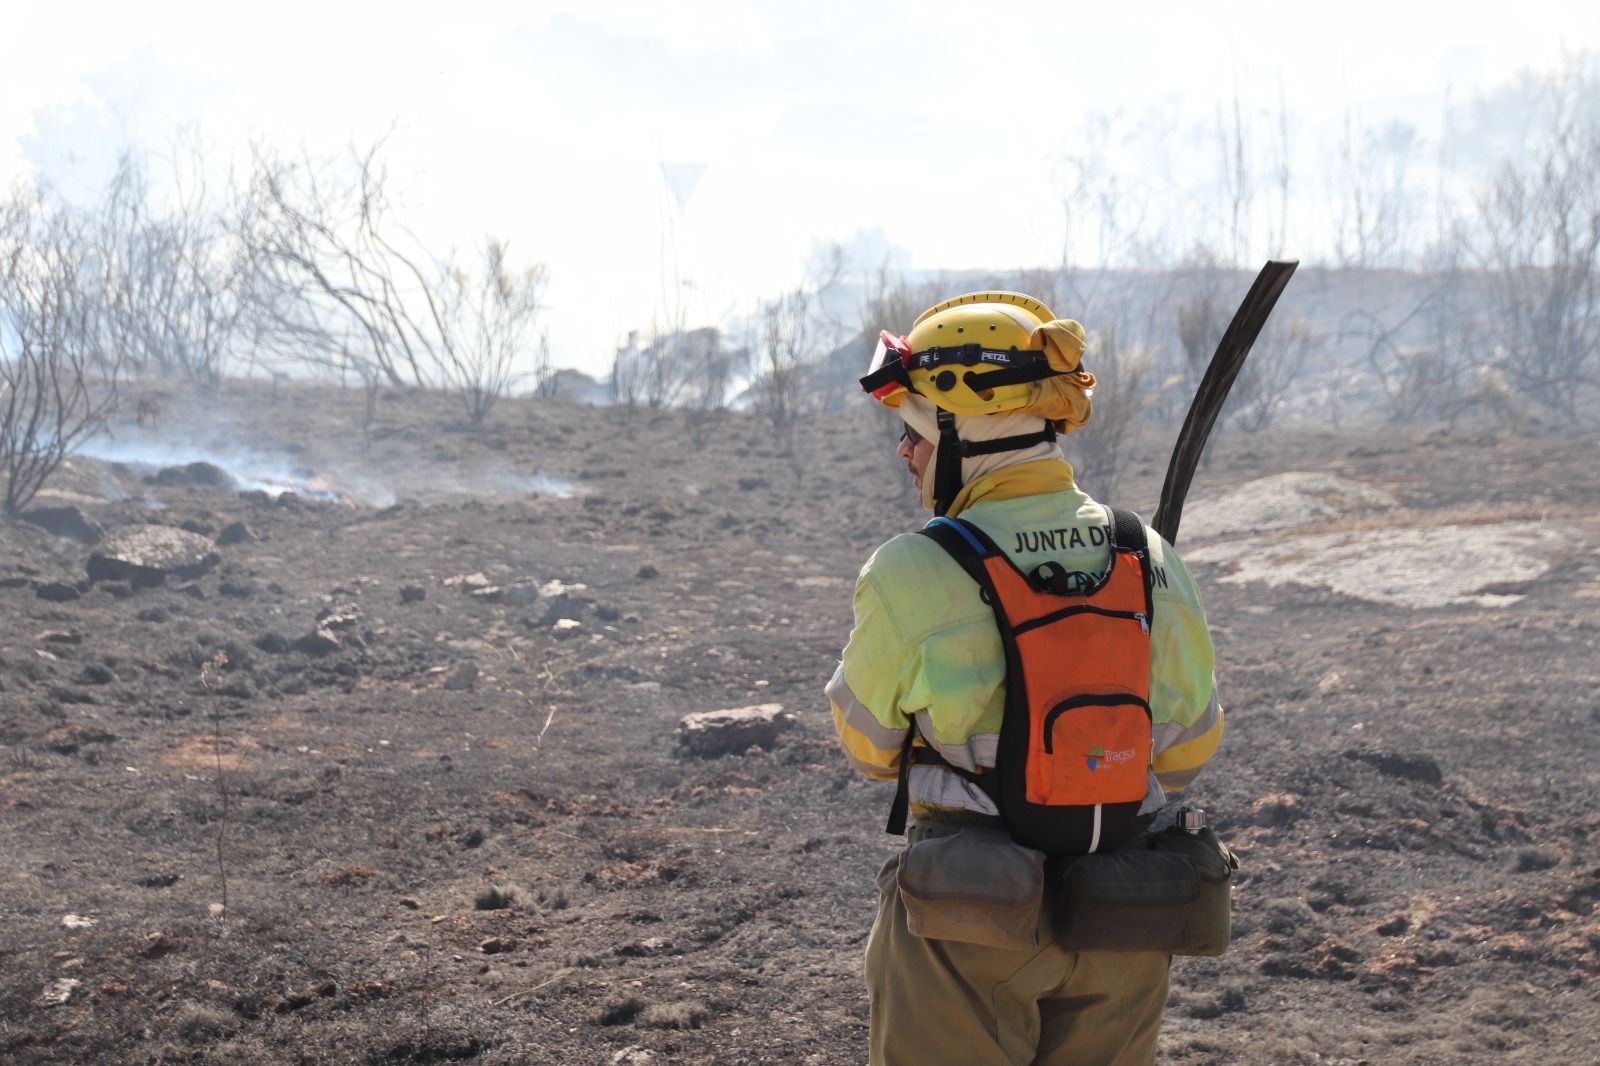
[925,648]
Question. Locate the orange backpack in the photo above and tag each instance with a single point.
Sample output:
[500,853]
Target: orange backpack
[1074,755]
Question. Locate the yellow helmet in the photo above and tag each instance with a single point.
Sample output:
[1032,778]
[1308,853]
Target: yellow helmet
[973,355]
[987,353]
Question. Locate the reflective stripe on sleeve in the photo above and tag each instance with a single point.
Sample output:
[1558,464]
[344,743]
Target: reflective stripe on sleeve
[858,718]
[870,766]
[1173,734]
[1177,767]
[873,748]
[1178,780]
[979,750]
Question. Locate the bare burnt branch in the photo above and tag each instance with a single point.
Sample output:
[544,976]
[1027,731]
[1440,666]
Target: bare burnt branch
[58,384]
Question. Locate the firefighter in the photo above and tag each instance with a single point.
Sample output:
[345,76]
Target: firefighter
[984,384]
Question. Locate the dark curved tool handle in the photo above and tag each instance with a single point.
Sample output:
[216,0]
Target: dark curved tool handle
[1213,392]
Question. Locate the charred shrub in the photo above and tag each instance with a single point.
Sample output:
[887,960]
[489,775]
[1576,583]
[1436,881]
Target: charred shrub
[495,898]
[621,1011]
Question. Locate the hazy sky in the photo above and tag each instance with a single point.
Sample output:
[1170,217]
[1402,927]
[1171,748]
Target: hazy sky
[935,127]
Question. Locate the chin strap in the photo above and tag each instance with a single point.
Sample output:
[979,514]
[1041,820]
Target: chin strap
[946,464]
[951,450]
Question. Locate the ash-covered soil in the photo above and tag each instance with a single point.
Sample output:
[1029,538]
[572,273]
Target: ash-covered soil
[396,778]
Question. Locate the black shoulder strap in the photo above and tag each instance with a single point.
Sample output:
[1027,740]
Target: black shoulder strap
[966,543]
[1127,529]
[1127,534]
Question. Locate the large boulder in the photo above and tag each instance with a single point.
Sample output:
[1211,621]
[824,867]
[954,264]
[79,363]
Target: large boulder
[147,555]
[196,475]
[64,522]
[56,591]
[733,730]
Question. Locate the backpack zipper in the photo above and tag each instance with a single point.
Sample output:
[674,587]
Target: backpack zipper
[1067,612]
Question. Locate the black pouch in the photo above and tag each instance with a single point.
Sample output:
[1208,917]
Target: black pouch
[1169,891]
[977,886]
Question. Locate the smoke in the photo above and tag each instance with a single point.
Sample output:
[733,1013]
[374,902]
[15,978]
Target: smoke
[274,471]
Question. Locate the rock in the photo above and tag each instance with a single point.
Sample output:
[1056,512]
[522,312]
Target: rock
[318,642]
[467,583]
[652,945]
[56,591]
[238,588]
[117,590]
[412,593]
[60,636]
[57,992]
[733,730]
[236,533]
[464,679]
[196,525]
[64,522]
[564,608]
[339,616]
[521,594]
[145,556]
[195,475]
[496,945]
[489,594]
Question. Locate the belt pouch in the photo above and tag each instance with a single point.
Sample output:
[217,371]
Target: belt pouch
[1208,921]
[977,886]
[1169,891]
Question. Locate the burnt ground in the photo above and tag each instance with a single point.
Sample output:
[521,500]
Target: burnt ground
[523,867]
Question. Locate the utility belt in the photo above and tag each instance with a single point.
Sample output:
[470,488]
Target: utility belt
[1168,891]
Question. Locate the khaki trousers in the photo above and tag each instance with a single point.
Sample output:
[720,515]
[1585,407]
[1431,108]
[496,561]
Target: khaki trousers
[944,1003]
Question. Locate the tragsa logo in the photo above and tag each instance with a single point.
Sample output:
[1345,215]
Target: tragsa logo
[1098,755]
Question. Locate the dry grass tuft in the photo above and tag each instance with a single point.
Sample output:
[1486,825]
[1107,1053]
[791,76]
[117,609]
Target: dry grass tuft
[350,876]
[685,1014]
[496,898]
